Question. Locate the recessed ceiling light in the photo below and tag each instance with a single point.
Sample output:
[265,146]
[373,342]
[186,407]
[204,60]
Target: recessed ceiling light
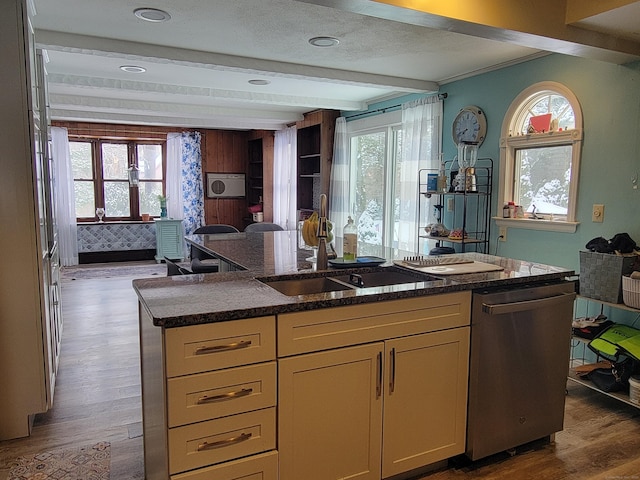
[151,14]
[259,82]
[132,69]
[324,41]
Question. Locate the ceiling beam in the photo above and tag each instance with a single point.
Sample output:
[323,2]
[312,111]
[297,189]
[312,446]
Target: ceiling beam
[541,24]
[165,92]
[578,10]
[60,41]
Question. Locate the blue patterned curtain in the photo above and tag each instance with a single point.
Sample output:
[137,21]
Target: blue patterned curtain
[192,191]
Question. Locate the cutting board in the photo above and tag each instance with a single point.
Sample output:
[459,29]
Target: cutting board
[459,269]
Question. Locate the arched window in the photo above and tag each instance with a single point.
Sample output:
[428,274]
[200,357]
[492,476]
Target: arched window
[540,149]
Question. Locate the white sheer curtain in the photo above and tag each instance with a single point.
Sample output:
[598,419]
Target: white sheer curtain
[284,178]
[339,185]
[65,204]
[421,133]
[174,175]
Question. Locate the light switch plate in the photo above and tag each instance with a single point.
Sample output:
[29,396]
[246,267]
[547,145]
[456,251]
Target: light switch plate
[597,214]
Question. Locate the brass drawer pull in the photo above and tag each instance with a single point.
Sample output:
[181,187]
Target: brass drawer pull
[224,443]
[225,396]
[223,348]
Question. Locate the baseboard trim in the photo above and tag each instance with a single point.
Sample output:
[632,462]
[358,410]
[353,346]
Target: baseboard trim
[116,256]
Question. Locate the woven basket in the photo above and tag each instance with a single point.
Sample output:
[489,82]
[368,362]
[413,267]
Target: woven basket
[631,292]
[600,275]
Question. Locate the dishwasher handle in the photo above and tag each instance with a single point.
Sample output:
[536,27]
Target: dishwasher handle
[504,308]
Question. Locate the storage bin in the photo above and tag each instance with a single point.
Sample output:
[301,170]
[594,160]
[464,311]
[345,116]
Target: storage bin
[631,292]
[601,275]
[634,389]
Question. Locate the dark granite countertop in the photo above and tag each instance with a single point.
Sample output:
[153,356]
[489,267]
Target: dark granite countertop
[204,298]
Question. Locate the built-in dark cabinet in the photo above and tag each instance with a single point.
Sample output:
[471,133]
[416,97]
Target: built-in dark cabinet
[314,156]
[255,174]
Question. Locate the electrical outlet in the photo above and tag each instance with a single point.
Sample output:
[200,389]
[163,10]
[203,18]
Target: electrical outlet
[597,214]
[451,204]
[503,234]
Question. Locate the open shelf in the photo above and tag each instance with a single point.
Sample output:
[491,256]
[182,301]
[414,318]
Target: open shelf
[452,240]
[621,396]
[468,210]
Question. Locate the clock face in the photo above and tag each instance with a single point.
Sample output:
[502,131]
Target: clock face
[470,125]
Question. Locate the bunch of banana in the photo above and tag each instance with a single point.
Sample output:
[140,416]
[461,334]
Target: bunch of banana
[310,230]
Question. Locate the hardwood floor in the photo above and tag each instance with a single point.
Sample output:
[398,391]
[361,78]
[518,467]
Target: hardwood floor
[97,398]
[97,394]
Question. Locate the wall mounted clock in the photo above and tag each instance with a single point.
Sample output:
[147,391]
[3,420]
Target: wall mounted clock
[469,126]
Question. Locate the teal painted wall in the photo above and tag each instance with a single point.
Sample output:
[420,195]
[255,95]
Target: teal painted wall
[610,99]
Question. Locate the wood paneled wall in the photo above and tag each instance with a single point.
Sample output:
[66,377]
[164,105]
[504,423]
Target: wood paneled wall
[222,151]
[123,132]
[225,152]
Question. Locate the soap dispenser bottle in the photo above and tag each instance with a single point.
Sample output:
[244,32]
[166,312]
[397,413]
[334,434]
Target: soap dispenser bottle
[349,241]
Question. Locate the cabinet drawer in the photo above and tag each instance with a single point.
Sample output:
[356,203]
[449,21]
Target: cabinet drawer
[201,348]
[220,440]
[205,396]
[327,328]
[256,467]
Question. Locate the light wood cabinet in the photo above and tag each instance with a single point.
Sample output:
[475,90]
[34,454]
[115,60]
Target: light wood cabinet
[425,401]
[31,322]
[256,467]
[378,409]
[208,398]
[330,414]
[363,392]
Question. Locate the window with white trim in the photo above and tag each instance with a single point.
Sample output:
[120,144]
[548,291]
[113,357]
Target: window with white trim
[540,156]
[100,177]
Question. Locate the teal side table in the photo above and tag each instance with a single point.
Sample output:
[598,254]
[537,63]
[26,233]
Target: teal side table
[169,239]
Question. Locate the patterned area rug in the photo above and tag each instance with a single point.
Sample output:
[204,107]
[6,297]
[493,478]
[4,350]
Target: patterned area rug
[85,463]
[110,270]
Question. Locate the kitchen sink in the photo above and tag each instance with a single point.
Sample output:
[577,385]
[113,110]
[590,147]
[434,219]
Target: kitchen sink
[307,286]
[388,276]
[303,285]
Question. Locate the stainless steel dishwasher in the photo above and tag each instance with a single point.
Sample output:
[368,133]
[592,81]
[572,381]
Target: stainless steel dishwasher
[518,368]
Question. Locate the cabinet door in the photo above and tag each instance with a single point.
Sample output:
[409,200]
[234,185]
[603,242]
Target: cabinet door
[169,239]
[425,400]
[330,412]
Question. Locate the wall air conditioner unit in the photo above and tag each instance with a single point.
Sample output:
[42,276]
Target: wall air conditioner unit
[225,185]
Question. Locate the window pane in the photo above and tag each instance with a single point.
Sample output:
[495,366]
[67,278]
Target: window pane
[85,201]
[149,192]
[116,199]
[557,105]
[114,162]
[150,162]
[542,179]
[367,155]
[396,190]
[81,162]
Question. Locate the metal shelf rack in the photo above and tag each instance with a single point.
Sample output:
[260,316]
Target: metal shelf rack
[466,210]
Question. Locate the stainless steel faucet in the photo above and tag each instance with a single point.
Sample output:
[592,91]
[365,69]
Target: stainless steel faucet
[321,262]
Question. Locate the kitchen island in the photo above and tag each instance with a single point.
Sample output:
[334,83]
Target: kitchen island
[239,379]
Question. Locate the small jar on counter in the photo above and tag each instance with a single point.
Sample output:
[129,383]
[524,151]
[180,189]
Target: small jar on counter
[505,211]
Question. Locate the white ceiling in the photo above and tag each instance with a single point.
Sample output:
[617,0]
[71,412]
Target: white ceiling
[198,64]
